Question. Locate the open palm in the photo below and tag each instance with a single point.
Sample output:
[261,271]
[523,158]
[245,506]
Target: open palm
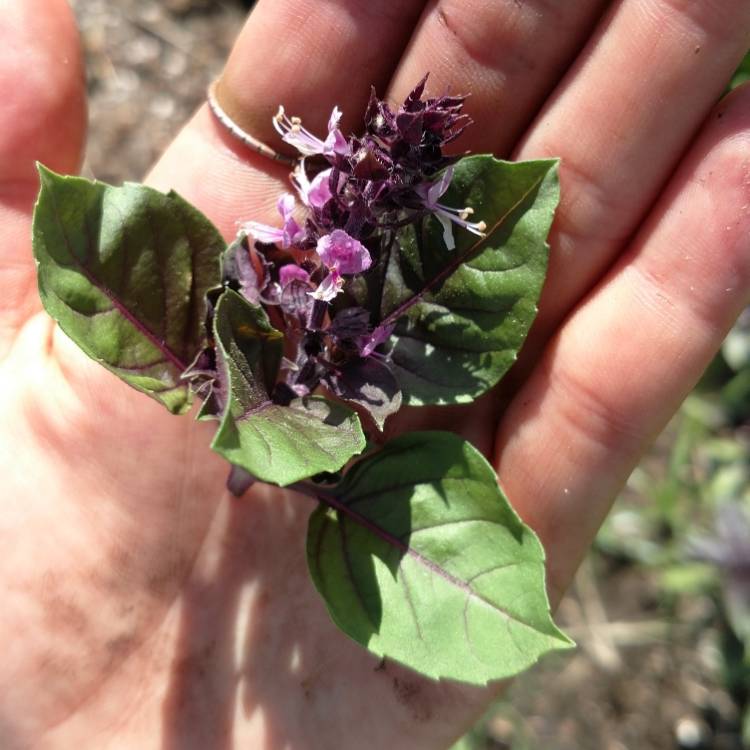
[146,608]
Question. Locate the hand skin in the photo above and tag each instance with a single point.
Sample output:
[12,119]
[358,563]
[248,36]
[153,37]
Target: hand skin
[142,606]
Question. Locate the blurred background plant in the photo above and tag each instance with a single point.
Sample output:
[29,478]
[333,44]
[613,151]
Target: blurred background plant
[661,607]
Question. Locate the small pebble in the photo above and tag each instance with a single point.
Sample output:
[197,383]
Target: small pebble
[690,733]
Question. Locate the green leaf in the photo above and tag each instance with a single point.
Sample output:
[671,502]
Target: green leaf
[125,271]
[477,302]
[421,559]
[742,74]
[279,444]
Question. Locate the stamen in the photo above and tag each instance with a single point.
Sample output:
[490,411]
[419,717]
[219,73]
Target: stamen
[287,364]
[279,122]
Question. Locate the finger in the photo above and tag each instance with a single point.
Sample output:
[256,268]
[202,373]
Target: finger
[508,55]
[309,56]
[630,353]
[42,118]
[620,121]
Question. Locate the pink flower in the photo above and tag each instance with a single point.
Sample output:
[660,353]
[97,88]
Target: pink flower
[320,190]
[380,335]
[314,194]
[329,287]
[288,235]
[431,192]
[342,252]
[305,142]
[335,143]
[290,272]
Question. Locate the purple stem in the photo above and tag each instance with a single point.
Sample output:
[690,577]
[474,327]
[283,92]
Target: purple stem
[317,314]
[239,481]
[317,493]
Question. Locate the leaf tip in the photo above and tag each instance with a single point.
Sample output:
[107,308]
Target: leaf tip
[566,642]
[558,640]
[46,175]
[43,170]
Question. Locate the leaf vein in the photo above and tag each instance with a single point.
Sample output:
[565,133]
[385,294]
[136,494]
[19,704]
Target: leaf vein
[410,601]
[139,325]
[432,566]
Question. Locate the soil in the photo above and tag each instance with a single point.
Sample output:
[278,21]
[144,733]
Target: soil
[148,65]
[645,676]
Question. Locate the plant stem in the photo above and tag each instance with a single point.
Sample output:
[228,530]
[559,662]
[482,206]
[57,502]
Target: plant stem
[316,493]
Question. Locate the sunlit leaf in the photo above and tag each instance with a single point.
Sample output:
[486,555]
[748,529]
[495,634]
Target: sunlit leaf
[124,271]
[475,303]
[421,559]
[275,443]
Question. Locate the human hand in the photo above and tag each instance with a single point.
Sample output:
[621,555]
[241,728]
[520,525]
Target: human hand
[147,608]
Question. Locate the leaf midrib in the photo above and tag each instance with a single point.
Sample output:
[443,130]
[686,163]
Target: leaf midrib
[97,284]
[433,567]
[460,259]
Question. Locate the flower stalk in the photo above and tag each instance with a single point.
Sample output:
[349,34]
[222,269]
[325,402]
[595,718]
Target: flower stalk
[355,193]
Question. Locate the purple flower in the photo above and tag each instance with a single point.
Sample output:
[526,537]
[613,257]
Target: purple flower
[291,272]
[340,251]
[380,335]
[314,194]
[331,285]
[431,192]
[292,293]
[305,142]
[415,135]
[335,143]
[372,186]
[288,235]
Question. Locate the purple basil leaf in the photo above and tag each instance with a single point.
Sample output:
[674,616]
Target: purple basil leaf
[369,383]
[351,324]
[238,272]
[206,382]
[125,272]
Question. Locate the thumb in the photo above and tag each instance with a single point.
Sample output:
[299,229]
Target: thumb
[42,118]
